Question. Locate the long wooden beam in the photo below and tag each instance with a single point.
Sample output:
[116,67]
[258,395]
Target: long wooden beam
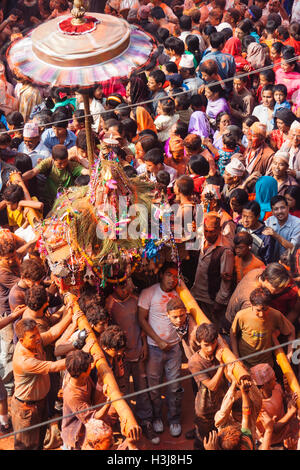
[239,370]
[127,418]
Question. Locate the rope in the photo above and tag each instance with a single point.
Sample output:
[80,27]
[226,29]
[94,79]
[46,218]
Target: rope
[225,80]
[149,389]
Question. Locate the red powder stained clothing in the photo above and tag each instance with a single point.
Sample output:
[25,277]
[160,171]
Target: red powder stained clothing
[7,281]
[199,182]
[155,300]
[76,398]
[286,300]
[124,313]
[295,44]
[207,402]
[241,269]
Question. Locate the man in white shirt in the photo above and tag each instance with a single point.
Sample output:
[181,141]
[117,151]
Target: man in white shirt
[264,111]
[282,226]
[164,353]
[32,144]
[154,162]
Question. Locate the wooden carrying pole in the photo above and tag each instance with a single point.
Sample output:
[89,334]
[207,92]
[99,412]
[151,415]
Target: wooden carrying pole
[124,411]
[239,370]
[88,130]
[285,366]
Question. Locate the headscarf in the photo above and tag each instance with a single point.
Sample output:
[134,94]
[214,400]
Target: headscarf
[233,46]
[144,120]
[256,55]
[265,188]
[176,147]
[199,124]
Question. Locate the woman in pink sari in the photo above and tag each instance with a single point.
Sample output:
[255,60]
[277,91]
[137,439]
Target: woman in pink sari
[289,73]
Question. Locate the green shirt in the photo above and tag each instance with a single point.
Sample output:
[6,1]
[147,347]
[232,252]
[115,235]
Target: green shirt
[57,178]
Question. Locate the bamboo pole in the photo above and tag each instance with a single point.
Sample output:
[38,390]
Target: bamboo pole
[124,411]
[88,130]
[287,370]
[239,370]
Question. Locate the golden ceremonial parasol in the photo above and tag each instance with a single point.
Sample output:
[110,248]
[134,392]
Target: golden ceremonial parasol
[79,51]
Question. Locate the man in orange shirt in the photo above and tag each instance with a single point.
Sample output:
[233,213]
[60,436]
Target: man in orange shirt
[32,383]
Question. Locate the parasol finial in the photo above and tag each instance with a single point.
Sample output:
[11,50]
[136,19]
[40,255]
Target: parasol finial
[78,12]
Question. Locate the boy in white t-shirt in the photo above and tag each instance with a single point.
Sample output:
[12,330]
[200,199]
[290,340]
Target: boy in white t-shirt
[164,352]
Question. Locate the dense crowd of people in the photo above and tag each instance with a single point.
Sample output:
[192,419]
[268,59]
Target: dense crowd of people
[211,121]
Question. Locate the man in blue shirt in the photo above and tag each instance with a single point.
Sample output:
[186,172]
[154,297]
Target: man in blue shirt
[59,134]
[282,226]
[225,62]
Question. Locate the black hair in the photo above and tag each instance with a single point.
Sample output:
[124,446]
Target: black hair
[243,238]
[181,129]
[216,40]
[199,165]
[294,192]
[168,106]
[60,118]
[185,23]
[82,180]
[171,67]
[123,110]
[79,115]
[158,76]
[246,26]
[240,195]
[206,332]
[269,75]
[283,32]
[278,198]
[248,121]
[260,296]
[59,152]
[113,338]
[280,87]
[254,207]
[23,162]
[162,34]
[157,13]
[130,128]
[175,44]
[155,156]
[246,40]
[15,119]
[13,193]
[193,46]
[185,185]
[271,26]
[219,117]
[163,177]
[130,171]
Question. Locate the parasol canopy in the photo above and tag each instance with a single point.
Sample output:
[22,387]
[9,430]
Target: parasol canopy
[67,52]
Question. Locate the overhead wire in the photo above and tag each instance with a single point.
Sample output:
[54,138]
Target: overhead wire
[142,103]
[149,389]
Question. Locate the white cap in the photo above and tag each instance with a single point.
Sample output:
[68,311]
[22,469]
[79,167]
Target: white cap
[187,61]
[222,26]
[235,167]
